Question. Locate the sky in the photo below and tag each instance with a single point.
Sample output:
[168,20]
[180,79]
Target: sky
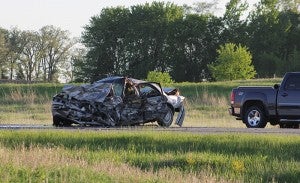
[71,15]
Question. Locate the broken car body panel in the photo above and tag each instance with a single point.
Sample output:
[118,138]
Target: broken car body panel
[117,101]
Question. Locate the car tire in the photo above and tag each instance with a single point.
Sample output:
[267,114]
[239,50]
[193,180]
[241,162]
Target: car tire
[167,120]
[58,122]
[255,117]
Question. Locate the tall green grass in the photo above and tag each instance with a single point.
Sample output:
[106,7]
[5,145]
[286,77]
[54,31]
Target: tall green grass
[28,93]
[27,103]
[147,156]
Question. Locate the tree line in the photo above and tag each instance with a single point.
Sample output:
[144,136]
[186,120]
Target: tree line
[35,55]
[183,40]
[164,37]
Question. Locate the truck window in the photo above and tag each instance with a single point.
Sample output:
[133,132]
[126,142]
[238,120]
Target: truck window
[292,83]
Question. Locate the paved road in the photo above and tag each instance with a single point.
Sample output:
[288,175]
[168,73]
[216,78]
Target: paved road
[200,130]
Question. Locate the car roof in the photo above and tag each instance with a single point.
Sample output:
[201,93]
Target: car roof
[110,79]
[113,79]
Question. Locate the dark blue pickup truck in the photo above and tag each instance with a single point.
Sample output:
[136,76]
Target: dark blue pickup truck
[280,104]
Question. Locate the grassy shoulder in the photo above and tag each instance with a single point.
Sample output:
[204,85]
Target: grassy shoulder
[147,156]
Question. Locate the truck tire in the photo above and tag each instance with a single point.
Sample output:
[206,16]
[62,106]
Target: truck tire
[255,117]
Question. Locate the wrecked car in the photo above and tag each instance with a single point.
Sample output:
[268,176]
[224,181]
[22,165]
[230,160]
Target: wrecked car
[117,101]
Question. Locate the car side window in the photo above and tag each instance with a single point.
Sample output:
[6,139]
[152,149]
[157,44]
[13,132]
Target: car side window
[148,91]
[292,83]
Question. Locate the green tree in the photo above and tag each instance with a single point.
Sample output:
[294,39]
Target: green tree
[266,39]
[28,61]
[233,62]
[274,36]
[160,77]
[130,41]
[105,38]
[234,24]
[3,52]
[195,41]
[55,45]
[15,47]
[77,64]
[157,36]
[183,40]
[149,37]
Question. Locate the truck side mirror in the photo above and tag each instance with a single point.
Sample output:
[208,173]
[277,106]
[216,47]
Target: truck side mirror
[276,86]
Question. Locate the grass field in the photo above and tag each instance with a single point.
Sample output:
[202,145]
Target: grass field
[146,156]
[27,103]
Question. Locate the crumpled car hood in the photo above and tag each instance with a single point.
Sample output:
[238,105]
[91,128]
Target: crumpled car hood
[93,93]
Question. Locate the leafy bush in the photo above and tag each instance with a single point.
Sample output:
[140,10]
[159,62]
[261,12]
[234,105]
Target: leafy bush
[160,77]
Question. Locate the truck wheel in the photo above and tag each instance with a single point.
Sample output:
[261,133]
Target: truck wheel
[255,117]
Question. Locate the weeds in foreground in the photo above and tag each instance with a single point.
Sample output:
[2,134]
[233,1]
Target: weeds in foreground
[147,156]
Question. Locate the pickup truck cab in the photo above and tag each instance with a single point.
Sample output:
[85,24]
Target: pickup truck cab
[280,104]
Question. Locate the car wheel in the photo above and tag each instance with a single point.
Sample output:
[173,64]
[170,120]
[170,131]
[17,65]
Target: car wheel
[167,120]
[58,122]
[255,117]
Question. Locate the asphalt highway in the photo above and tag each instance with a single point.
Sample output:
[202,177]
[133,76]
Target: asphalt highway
[200,130]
